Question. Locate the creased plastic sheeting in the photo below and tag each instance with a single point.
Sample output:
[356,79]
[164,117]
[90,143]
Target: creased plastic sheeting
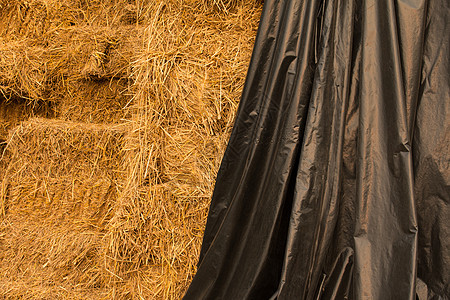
[335,182]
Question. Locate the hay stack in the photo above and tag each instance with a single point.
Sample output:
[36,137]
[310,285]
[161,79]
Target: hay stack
[90,210]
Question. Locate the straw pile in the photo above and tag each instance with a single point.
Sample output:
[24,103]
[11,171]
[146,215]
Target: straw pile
[108,197]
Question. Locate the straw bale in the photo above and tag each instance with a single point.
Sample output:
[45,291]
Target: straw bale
[98,53]
[93,102]
[56,200]
[58,163]
[40,19]
[83,75]
[22,71]
[95,87]
[35,72]
[45,43]
[187,79]
[41,261]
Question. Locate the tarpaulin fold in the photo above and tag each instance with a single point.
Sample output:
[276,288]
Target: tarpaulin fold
[335,181]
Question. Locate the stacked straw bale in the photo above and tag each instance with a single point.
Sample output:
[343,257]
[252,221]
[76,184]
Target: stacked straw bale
[107,197]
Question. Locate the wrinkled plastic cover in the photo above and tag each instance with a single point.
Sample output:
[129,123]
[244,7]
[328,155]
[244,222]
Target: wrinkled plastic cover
[335,182]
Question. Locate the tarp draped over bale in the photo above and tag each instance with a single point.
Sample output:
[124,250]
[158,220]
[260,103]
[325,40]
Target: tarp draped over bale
[335,182]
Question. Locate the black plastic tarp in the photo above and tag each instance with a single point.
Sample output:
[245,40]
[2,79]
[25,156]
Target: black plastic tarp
[335,181]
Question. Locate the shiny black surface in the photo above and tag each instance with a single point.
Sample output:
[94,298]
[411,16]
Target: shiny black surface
[335,182]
